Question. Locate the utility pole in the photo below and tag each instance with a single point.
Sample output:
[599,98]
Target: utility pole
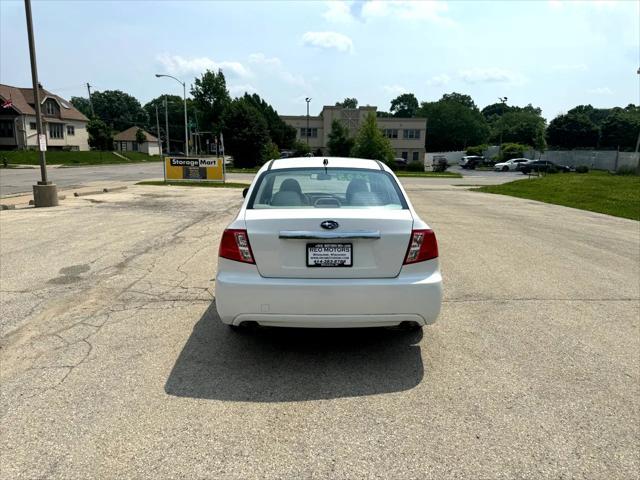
[45,193]
[166,122]
[158,131]
[93,113]
[307,132]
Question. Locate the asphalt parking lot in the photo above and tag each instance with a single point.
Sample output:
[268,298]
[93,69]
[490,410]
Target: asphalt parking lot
[114,364]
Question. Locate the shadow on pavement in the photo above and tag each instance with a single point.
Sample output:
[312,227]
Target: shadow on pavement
[289,365]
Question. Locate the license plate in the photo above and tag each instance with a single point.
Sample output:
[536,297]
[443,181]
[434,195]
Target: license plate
[329,254]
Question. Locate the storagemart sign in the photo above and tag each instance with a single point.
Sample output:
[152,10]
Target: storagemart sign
[204,169]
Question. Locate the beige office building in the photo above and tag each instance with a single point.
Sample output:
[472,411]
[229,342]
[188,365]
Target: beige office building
[407,135]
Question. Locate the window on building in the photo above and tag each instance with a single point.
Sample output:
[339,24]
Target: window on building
[134,146]
[311,133]
[405,155]
[123,146]
[71,130]
[416,156]
[390,132]
[32,125]
[410,133]
[56,130]
[6,128]
[51,107]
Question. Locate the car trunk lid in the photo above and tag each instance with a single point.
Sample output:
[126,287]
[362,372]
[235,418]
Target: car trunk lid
[378,238]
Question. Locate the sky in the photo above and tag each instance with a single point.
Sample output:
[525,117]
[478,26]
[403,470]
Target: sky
[554,54]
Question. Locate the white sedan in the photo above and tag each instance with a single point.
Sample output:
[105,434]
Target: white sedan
[328,242]
[509,165]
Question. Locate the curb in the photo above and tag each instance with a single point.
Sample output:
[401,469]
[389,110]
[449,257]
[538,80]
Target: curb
[114,189]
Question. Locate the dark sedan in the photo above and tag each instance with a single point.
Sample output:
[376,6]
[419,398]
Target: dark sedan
[543,166]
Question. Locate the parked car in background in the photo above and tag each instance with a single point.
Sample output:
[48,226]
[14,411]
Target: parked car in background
[400,162]
[543,166]
[328,243]
[510,165]
[440,163]
[470,162]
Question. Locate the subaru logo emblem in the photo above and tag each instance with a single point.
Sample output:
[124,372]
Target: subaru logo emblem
[329,224]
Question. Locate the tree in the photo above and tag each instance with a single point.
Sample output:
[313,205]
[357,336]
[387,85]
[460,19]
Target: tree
[83,105]
[211,98]
[245,132]
[621,128]
[140,137]
[404,106]
[340,144]
[282,135]
[100,135]
[572,130]
[175,113]
[520,125]
[596,115]
[348,103]
[460,98]
[453,123]
[370,143]
[269,152]
[495,110]
[117,109]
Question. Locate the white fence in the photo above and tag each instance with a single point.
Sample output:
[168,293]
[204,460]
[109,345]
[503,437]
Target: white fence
[595,159]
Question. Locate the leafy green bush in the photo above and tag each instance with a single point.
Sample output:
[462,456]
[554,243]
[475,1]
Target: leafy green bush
[512,150]
[300,149]
[626,170]
[415,166]
[476,150]
[582,169]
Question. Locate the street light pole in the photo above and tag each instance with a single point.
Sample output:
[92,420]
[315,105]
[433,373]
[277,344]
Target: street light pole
[45,193]
[307,131]
[184,97]
[166,122]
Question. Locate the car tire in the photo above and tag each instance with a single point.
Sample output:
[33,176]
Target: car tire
[505,169]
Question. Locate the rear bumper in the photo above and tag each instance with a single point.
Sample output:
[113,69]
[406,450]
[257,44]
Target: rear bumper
[243,295]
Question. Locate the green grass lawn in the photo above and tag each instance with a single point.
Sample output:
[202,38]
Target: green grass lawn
[194,184]
[617,195]
[54,157]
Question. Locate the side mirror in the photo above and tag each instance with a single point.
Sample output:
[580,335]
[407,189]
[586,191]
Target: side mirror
[244,192]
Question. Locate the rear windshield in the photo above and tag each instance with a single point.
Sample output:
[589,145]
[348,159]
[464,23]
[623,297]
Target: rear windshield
[333,188]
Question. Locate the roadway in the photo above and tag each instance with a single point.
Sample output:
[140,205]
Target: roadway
[15,181]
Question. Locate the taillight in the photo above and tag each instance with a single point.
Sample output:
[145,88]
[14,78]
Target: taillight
[422,246]
[235,246]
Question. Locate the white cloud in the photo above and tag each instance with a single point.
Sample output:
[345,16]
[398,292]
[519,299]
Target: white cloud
[395,89]
[429,10]
[338,12]
[600,91]
[559,4]
[335,40]
[439,80]
[177,65]
[262,59]
[490,75]
[577,67]
[239,90]
[274,65]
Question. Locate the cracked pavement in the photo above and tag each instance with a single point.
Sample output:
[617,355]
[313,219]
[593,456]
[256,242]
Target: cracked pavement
[115,365]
